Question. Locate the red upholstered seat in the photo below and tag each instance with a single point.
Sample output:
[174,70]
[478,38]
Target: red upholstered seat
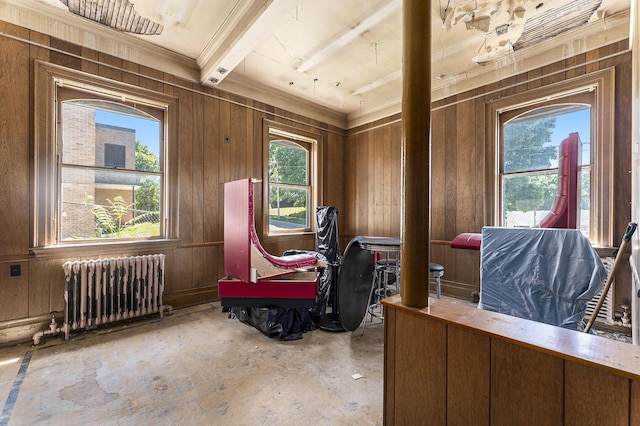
[467,240]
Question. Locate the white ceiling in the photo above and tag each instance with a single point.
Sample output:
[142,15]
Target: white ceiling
[344,55]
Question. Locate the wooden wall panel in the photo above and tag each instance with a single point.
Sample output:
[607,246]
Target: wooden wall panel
[334,166]
[459,200]
[219,139]
[153,80]
[395,179]
[14,292]
[197,176]
[14,144]
[356,178]
[389,378]
[48,295]
[634,403]
[376,167]
[515,394]
[463,179]
[594,396]
[622,146]
[186,165]
[197,196]
[420,365]
[468,377]
[503,370]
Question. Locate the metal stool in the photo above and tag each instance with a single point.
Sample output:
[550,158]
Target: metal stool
[436,271]
[386,282]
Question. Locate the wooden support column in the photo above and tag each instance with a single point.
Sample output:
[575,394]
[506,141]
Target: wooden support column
[416,164]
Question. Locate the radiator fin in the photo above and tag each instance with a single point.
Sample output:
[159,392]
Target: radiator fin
[100,291]
[606,313]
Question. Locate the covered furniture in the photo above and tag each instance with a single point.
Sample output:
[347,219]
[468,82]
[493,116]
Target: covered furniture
[255,278]
[545,275]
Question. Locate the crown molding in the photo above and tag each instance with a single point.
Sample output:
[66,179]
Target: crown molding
[240,85]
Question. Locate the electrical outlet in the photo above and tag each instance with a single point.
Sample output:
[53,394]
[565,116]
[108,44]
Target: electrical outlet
[15,270]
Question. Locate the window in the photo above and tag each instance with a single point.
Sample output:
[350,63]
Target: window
[116,155]
[530,153]
[108,190]
[529,129]
[291,196]
[102,161]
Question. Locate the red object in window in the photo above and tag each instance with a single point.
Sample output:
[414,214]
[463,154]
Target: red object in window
[564,212]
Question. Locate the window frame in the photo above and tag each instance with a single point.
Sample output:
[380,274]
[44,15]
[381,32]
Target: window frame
[602,84]
[45,171]
[301,137]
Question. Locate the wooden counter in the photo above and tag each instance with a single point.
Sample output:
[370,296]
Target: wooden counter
[451,363]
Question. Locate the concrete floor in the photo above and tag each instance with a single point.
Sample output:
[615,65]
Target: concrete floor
[194,367]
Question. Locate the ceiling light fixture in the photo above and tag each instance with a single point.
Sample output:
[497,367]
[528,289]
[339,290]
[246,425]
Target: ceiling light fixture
[348,37]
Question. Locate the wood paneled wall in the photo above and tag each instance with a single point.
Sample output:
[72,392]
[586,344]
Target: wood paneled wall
[453,364]
[458,172]
[219,138]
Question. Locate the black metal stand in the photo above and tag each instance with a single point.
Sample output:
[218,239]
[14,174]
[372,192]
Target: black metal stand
[331,321]
[327,243]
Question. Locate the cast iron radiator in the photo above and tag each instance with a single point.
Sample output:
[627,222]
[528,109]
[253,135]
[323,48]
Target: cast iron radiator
[106,290]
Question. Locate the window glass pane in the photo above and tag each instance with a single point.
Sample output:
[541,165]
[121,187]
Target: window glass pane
[120,205]
[96,203]
[288,163]
[530,163]
[94,210]
[585,200]
[527,145]
[531,140]
[528,198]
[288,208]
[100,133]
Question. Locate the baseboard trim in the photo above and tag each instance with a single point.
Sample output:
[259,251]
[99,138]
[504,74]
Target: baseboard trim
[195,296]
[21,331]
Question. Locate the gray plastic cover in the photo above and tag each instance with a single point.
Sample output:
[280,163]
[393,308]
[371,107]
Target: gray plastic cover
[546,275]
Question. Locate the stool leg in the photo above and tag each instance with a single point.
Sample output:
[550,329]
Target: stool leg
[438,286]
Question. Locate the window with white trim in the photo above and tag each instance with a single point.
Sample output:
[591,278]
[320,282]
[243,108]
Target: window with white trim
[529,128]
[101,161]
[290,180]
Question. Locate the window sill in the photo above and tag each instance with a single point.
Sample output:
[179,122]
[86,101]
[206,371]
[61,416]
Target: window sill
[100,249]
[287,236]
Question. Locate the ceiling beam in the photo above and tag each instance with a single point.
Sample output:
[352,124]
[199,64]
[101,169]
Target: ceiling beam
[351,35]
[248,24]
